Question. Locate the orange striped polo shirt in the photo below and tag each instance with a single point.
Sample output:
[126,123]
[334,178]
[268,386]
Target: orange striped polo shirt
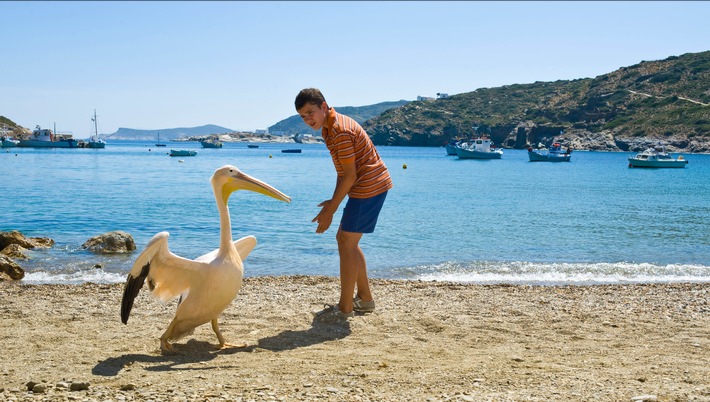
[348,142]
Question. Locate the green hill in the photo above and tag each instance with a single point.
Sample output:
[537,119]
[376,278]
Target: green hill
[628,109]
[295,125]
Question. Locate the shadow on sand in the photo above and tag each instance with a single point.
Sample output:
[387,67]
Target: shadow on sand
[199,351]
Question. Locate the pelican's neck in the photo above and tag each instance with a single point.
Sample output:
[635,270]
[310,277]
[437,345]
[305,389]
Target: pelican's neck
[225,224]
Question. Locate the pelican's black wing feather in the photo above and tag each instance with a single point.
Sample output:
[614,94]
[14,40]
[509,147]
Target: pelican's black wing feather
[133,286]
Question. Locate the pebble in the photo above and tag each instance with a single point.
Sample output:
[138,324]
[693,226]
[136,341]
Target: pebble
[79,386]
[644,398]
[39,388]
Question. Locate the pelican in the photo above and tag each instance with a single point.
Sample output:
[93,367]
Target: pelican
[207,284]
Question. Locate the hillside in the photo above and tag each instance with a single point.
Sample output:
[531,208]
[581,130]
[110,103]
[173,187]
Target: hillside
[166,134]
[295,125]
[628,109]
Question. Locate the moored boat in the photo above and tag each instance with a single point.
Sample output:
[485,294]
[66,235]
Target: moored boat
[252,146]
[451,147]
[480,148]
[211,143]
[45,138]
[291,151]
[8,142]
[94,140]
[656,157]
[182,152]
[554,153]
[159,144]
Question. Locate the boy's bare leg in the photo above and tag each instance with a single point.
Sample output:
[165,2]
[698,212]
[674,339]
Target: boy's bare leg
[353,269]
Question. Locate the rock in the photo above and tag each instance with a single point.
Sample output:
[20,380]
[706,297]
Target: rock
[110,243]
[15,251]
[10,269]
[42,242]
[15,237]
[79,386]
[39,388]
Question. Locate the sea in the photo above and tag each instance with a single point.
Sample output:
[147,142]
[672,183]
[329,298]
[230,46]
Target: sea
[593,220]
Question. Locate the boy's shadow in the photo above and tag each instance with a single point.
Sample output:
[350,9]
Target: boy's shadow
[318,332]
[199,351]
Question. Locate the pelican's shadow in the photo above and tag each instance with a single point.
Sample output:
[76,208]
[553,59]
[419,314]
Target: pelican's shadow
[199,351]
[319,332]
[191,352]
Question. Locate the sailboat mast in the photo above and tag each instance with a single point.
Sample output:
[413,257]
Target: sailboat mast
[96,126]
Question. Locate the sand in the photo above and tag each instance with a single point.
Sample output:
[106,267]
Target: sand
[427,341]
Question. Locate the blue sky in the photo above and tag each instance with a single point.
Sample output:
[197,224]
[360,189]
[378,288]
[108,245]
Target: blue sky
[155,65]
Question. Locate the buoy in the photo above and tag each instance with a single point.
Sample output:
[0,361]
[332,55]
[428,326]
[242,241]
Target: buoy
[269,155]
[404,166]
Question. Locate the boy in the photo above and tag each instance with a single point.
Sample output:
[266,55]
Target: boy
[363,177]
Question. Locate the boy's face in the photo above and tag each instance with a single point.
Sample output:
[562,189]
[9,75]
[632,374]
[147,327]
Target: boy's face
[313,115]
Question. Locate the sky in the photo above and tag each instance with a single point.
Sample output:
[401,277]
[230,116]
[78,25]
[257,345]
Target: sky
[240,64]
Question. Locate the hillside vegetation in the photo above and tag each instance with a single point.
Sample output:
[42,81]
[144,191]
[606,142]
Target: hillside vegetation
[294,125]
[628,109]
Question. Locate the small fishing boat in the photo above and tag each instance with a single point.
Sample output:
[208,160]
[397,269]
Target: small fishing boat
[553,154]
[291,151]
[480,148]
[45,138]
[451,147]
[182,152]
[211,143]
[656,157]
[252,146]
[8,142]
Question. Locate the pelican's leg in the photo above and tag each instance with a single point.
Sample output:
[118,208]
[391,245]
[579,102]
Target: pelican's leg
[165,345]
[222,344]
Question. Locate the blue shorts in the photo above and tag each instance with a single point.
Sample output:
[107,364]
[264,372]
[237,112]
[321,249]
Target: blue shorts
[360,214]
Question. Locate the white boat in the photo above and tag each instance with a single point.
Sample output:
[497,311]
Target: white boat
[553,154]
[94,140]
[480,148]
[45,138]
[656,157]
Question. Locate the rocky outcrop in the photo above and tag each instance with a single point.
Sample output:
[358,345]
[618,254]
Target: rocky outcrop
[9,270]
[15,237]
[115,242]
[15,251]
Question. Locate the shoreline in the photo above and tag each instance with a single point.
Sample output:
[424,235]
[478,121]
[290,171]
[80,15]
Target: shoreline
[426,341]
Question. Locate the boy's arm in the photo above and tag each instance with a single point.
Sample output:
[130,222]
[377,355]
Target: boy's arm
[342,188]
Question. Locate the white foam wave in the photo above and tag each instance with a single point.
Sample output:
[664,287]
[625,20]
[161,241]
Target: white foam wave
[74,278]
[530,273]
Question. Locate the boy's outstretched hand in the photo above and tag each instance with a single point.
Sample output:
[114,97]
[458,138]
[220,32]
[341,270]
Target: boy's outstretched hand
[324,217]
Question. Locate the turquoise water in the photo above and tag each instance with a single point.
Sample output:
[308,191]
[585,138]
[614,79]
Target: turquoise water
[592,220]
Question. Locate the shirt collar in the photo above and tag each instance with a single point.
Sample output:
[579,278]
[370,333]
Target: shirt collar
[330,121]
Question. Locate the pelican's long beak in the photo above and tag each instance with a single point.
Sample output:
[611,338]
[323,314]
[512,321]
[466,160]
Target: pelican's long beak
[242,181]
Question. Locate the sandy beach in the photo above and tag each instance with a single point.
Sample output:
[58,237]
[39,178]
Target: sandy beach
[427,341]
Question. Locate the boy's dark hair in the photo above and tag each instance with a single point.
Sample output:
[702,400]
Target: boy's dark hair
[309,95]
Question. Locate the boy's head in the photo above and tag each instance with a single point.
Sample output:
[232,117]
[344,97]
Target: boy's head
[312,107]
[311,96]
